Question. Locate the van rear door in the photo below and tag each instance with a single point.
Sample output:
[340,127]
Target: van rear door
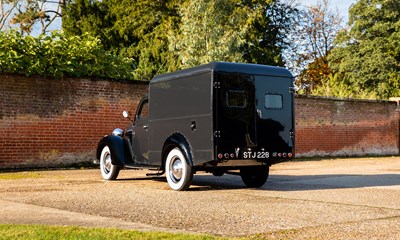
[275,124]
[235,114]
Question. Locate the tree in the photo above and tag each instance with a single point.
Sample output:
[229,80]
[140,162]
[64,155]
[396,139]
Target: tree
[26,14]
[210,31]
[267,39]
[93,17]
[367,59]
[251,31]
[163,36]
[314,40]
[149,24]
[135,29]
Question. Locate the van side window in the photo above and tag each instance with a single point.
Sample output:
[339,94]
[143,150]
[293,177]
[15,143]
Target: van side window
[273,101]
[144,110]
[236,99]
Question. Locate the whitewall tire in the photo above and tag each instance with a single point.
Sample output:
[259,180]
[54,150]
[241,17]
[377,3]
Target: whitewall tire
[179,173]
[108,170]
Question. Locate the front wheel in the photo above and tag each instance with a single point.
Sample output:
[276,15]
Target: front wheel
[108,170]
[254,176]
[179,172]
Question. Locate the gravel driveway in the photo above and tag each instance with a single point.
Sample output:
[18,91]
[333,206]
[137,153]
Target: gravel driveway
[329,199]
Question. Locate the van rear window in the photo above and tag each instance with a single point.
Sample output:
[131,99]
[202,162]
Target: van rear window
[236,99]
[273,101]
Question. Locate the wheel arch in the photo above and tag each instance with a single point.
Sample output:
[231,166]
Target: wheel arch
[120,154]
[180,141]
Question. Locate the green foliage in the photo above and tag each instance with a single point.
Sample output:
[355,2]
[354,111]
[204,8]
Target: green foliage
[332,86]
[211,31]
[57,55]
[134,29]
[164,36]
[94,18]
[367,59]
[148,23]
[273,21]
[19,175]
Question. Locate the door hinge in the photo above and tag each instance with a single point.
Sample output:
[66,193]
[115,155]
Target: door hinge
[217,85]
[217,134]
[292,134]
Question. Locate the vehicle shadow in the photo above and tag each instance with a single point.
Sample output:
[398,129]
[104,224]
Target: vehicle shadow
[330,181]
[299,183]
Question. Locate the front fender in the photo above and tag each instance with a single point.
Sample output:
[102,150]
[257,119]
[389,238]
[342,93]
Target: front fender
[119,148]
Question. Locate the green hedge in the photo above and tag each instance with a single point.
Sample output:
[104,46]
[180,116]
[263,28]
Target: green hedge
[57,55]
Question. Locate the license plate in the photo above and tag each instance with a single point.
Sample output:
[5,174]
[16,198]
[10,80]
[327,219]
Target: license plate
[256,155]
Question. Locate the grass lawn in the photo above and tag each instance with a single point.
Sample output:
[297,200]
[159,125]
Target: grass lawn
[42,232]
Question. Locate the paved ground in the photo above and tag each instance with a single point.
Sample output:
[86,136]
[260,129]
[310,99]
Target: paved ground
[329,199]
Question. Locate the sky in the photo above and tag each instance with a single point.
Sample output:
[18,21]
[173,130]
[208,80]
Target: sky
[341,5]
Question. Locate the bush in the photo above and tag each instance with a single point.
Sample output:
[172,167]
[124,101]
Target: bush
[57,55]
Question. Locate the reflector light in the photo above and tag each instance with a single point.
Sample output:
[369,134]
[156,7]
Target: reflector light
[220,155]
[290,154]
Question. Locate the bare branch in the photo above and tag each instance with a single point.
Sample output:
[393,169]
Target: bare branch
[57,14]
[6,8]
[316,39]
[26,14]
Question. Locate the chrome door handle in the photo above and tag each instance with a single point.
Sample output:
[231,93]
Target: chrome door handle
[259,113]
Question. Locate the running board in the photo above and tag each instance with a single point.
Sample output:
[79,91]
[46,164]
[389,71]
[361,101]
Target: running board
[155,174]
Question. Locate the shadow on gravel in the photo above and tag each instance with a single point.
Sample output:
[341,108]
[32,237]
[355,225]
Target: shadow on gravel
[287,182]
[210,182]
[300,183]
[329,181]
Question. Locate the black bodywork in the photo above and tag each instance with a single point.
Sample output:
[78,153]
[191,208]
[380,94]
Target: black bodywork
[223,115]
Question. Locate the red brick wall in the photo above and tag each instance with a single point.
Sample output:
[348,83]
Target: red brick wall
[333,127]
[46,122]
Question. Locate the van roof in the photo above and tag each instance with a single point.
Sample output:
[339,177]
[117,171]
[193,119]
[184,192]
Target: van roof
[246,68]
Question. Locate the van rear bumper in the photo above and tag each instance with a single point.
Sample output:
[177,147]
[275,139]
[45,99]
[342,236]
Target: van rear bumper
[244,162]
[235,163]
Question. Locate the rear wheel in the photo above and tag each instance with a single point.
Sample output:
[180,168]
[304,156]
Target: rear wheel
[179,173]
[254,176]
[108,170]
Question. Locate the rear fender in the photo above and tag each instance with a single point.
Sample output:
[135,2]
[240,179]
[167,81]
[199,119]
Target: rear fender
[119,148]
[178,140]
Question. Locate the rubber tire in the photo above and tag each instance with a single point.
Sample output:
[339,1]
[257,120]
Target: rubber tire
[254,177]
[108,170]
[176,182]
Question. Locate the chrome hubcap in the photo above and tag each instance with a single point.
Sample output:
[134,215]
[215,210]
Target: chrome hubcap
[176,169]
[107,163]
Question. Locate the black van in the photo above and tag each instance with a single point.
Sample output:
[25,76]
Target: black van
[219,118]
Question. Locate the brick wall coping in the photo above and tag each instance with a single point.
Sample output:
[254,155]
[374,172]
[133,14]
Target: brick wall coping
[391,100]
